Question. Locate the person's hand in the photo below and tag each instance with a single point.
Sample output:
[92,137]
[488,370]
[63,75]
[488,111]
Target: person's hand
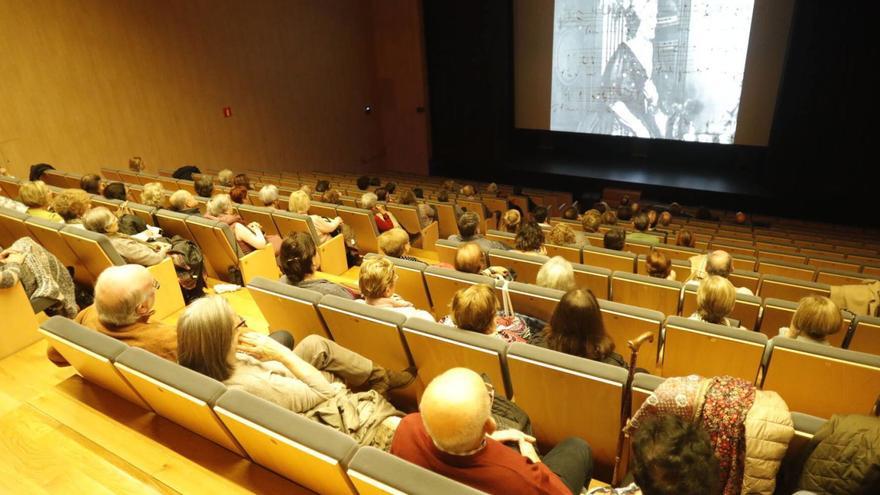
[261,347]
[255,226]
[511,435]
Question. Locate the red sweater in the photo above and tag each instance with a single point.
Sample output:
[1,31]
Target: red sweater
[494,469]
[384,222]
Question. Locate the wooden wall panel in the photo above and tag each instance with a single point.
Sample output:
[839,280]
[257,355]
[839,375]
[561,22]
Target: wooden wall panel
[89,83]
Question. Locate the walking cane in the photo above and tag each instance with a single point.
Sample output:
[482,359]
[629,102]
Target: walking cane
[626,406]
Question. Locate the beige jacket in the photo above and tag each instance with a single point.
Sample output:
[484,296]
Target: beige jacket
[769,428]
[861,299]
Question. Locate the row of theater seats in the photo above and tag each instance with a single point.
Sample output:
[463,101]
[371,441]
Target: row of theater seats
[842,381]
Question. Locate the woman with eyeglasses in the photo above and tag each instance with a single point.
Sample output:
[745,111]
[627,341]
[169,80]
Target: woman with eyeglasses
[315,378]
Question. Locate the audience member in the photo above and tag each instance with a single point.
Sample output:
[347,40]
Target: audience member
[576,328]
[556,273]
[300,203]
[815,319]
[204,186]
[269,196]
[182,201]
[382,194]
[591,223]
[242,180]
[225,177]
[391,187]
[377,281]
[665,219]
[470,258]
[363,183]
[561,235]
[540,215]
[124,300]
[624,213]
[134,251]
[115,190]
[614,239]
[92,184]
[530,239]
[395,243]
[136,164]
[71,205]
[510,221]
[332,196]
[375,181]
[249,237]
[659,266]
[384,220]
[640,224]
[685,238]
[718,263]
[475,308]
[36,196]
[570,213]
[239,195]
[44,278]
[609,218]
[153,195]
[299,259]
[740,218]
[716,298]
[322,186]
[455,436]
[317,373]
[492,190]
[424,211]
[469,231]
[652,219]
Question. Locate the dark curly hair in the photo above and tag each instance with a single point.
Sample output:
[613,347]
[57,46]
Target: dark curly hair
[530,237]
[295,256]
[674,456]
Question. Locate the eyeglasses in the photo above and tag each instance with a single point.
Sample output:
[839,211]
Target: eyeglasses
[240,324]
[156,284]
[491,391]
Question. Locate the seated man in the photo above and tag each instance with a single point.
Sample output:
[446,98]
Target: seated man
[124,300]
[469,231]
[470,258]
[540,214]
[641,223]
[395,243]
[454,435]
[718,263]
[614,239]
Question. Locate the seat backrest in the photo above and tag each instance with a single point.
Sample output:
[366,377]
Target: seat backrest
[681,268]
[526,266]
[531,300]
[410,281]
[624,322]
[696,347]
[593,239]
[407,216]
[638,247]
[20,323]
[294,222]
[173,223]
[10,186]
[48,233]
[746,309]
[260,214]
[303,451]
[554,416]
[443,283]
[436,348]
[94,250]
[608,258]
[374,472]
[91,354]
[505,238]
[595,278]
[286,307]
[571,253]
[327,210]
[643,385]
[648,292]
[447,223]
[866,335]
[178,394]
[363,223]
[744,278]
[822,380]
[777,313]
[840,277]
[144,212]
[678,252]
[827,263]
[805,427]
[217,243]
[446,250]
[768,266]
[790,289]
[12,224]
[372,332]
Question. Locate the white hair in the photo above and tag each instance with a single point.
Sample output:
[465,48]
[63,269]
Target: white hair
[225,177]
[98,219]
[557,273]
[179,199]
[153,194]
[117,298]
[368,200]
[269,195]
[219,204]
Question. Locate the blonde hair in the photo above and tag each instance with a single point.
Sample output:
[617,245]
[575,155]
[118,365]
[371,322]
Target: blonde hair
[71,204]
[34,194]
[153,195]
[510,221]
[219,204]
[591,222]
[561,235]
[716,297]
[469,258]
[393,242]
[99,220]
[474,307]
[205,333]
[225,177]
[376,277]
[299,202]
[180,199]
[817,317]
[557,273]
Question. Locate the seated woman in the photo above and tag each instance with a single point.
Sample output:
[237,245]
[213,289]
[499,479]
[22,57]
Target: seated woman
[299,260]
[249,237]
[659,266]
[115,190]
[384,220]
[377,282]
[510,221]
[300,203]
[36,195]
[182,201]
[561,235]
[815,319]
[314,379]
[530,239]
[576,328]
[614,239]
[716,298]
[269,196]
[557,273]
[71,205]
[685,238]
[92,184]
[475,308]
[242,180]
[425,212]
[46,281]
[332,196]
[239,195]
[134,251]
[591,222]
[153,195]
[395,243]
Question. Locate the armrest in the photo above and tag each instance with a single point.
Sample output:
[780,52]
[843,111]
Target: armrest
[430,234]
[260,263]
[333,259]
[169,298]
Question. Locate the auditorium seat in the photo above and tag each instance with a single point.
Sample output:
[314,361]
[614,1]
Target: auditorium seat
[177,394]
[371,332]
[608,258]
[648,292]
[262,215]
[643,385]
[333,258]
[374,472]
[593,239]
[531,300]
[768,266]
[436,348]
[48,234]
[597,279]
[526,266]
[822,380]
[173,223]
[805,427]
[408,217]
[624,322]
[111,204]
[571,253]
[220,248]
[826,263]
[326,210]
[12,226]
[705,349]
[745,278]
[10,186]
[287,307]
[865,335]
[678,252]
[444,282]
[681,268]
[447,223]
[505,238]
[364,225]
[840,277]
[790,289]
[410,281]
[304,451]
[640,248]
[553,413]
[91,354]
[446,250]
[746,309]
[144,212]
[20,329]
[732,248]
[777,313]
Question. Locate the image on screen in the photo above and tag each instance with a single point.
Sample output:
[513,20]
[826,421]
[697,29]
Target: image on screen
[666,69]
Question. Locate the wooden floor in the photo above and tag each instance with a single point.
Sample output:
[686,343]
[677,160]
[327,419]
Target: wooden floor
[59,434]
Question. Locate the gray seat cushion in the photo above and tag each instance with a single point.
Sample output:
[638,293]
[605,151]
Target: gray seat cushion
[86,338]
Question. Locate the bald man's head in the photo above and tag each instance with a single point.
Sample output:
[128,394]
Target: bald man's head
[719,263]
[124,294]
[456,410]
[469,258]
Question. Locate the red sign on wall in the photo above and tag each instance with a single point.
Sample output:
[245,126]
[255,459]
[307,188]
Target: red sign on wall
[227,112]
